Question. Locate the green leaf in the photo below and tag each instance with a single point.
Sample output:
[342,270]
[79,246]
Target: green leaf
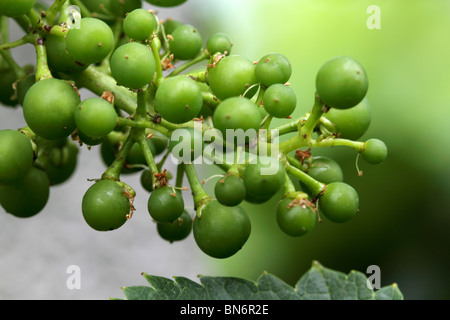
[318,283]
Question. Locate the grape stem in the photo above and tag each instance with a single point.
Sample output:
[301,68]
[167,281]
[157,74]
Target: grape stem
[201,197]
[312,184]
[113,172]
[159,74]
[42,70]
[52,12]
[202,56]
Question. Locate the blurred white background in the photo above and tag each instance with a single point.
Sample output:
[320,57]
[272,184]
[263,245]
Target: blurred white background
[36,252]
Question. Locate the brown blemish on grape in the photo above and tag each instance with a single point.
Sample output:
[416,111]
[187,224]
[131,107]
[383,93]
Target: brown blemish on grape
[267,60]
[108,96]
[47,28]
[100,44]
[303,154]
[126,57]
[169,36]
[161,178]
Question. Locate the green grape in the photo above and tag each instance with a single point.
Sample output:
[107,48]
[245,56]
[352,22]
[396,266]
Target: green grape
[341,82]
[295,218]
[176,230]
[279,100]
[146,180]
[165,204]
[273,68]
[16,156]
[133,65]
[27,196]
[95,117]
[221,231]
[339,203]
[325,170]
[219,43]
[231,76]
[91,43]
[49,107]
[139,24]
[62,163]
[230,190]
[7,94]
[263,179]
[351,123]
[237,113]
[105,206]
[186,42]
[59,59]
[178,99]
[15,8]
[375,151]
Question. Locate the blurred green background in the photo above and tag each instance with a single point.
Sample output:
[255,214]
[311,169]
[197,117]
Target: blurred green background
[404,203]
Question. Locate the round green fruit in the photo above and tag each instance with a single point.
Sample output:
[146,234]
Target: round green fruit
[178,99]
[273,68]
[339,203]
[237,113]
[263,179]
[16,156]
[351,123]
[105,206]
[176,230]
[230,190]
[219,43]
[49,107]
[133,65]
[231,76]
[15,8]
[295,218]
[221,231]
[375,151]
[139,24]
[91,43]
[27,196]
[165,204]
[341,82]
[95,117]
[279,100]
[186,42]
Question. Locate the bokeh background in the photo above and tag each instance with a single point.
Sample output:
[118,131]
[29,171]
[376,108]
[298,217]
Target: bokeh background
[404,203]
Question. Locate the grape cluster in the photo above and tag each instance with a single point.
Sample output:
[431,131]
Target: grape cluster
[149,103]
